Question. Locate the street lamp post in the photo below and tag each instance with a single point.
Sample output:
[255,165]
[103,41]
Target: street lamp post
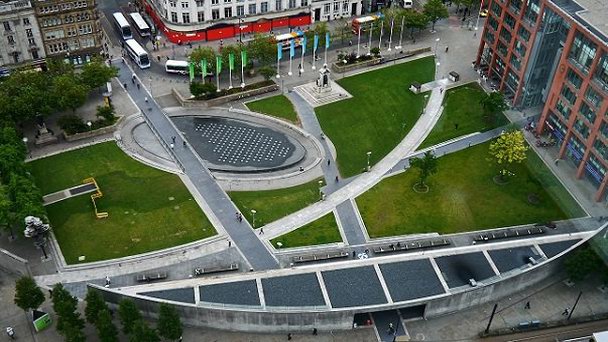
[436,43]
[253,217]
[369,153]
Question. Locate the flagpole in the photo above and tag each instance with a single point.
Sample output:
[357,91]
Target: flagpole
[390,37]
[358,41]
[279,55]
[242,72]
[230,77]
[313,59]
[381,32]
[325,50]
[401,34]
[218,81]
[302,62]
[371,30]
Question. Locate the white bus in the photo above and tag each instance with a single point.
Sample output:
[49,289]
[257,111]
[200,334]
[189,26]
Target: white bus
[137,53]
[123,26]
[177,67]
[140,24]
[286,38]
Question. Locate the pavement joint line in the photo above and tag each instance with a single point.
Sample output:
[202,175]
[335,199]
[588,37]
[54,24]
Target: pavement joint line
[439,274]
[491,262]
[387,293]
[323,289]
[258,282]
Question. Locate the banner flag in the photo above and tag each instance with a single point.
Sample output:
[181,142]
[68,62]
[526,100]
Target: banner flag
[243,57]
[327,40]
[204,68]
[218,65]
[191,71]
[303,45]
[315,43]
[292,48]
[279,51]
[231,61]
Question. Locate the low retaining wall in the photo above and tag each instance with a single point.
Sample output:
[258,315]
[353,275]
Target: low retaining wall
[94,133]
[14,264]
[184,102]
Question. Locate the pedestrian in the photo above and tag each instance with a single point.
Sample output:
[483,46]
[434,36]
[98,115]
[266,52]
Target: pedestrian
[314,332]
[336,179]
[354,254]
[440,90]
[138,86]
[125,85]
[184,143]
[229,243]
[556,161]
[527,306]
[391,328]
[172,146]
[146,99]
[10,332]
[446,49]
[301,169]
[158,57]
[299,70]
[133,80]
[237,214]
[566,312]
[289,337]
[350,43]
[173,139]
[456,126]
[108,282]
[328,162]
[261,231]
[133,77]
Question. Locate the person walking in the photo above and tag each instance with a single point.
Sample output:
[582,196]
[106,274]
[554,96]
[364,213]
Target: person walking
[10,332]
[446,49]
[527,306]
[261,231]
[138,86]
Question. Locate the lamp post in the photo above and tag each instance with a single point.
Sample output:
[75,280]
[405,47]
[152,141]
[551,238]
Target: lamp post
[369,153]
[436,43]
[253,217]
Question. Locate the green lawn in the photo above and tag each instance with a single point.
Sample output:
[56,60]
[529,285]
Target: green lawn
[462,114]
[464,197]
[380,114]
[321,231]
[149,209]
[278,106]
[271,205]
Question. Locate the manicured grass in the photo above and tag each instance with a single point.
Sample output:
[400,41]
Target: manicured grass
[278,106]
[271,205]
[149,209]
[321,231]
[380,114]
[464,197]
[462,114]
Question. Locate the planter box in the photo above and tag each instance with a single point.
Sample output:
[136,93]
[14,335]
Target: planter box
[341,68]
[190,102]
[94,133]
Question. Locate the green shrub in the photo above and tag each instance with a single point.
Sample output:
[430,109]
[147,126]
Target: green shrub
[72,124]
[106,113]
[198,89]
[267,72]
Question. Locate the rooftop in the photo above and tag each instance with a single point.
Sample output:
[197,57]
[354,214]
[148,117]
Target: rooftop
[591,14]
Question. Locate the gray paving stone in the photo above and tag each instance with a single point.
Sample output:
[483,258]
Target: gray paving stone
[458,269]
[294,290]
[511,258]
[554,248]
[353,287]
[411,279]
[236,293]
[185,295]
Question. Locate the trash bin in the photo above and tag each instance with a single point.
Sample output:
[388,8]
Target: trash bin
[454,76]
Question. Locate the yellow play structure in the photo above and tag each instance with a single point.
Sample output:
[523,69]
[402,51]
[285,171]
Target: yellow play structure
[96,194]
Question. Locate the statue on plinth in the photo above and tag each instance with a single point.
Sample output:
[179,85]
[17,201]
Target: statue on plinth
[323,82]
[35,229]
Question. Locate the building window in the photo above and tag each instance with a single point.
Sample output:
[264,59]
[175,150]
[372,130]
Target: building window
[35,54]
[7,26]
[26,21]
[184,5]
[215,14]
[345,6]
[563,108]
[574,79]
[601,72]
[278,5]
[600,147]
[593,97]
[264,7]
[496,9]
[215,2]
[336,7]
[200,16]
[587,112]
[29,33]
[31,41]
[520,48]
[515,62]
[493,23]
[326,8]
[604,129]
[509,21]
[532,10]
[304,3]
[505,35]
[186,18]
[582,128]
[252,8]
[228,12]
[172,3]
[292,4]
[240,10]
[174,17]
[568,94]
[200,3]
[582,52]
[11,40]
[523,34]
[515,6]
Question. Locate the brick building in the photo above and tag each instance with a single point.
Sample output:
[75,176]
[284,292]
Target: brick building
[554,54]
[21,40]
[70,29]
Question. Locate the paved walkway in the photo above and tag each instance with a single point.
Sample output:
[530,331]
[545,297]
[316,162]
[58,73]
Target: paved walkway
[220,205]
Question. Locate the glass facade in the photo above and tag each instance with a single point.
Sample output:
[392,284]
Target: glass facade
[601,72]
[582,52]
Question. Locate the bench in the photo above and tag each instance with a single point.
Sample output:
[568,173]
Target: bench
[318,257]
[410,246]
[148,277]
[199,271]
[509,234]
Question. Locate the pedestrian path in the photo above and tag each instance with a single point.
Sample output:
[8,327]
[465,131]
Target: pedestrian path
[388,325]
[217,201]
[67,193]
[346,211]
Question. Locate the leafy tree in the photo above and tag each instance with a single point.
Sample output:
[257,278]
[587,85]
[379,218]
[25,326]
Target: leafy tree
[28,295]
[415,20]
[509,148]
[25,198]
[583,262]
[128,314]
[320,29]
[96,73]
[106,113]
[435,10]
[105,327]
[57,66]
[69,322]
[5,210]
[198,89]
[262,49]
[226,51]
[26,97]
[143,333]
[493,104]
[71,124]
[95,306]
[69,91]
[267,72]
[427,166]
[206,53]
[169,325]
[343,29]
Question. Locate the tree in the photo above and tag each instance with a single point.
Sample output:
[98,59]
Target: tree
[435,10]
[493,104]
[169,325]
[320,29]
[5,211]
[198,89]
[28,295]
[95,306]
[267,72]
[262,49]
[69,91]
[415,20]
[583,262]
[427,166]
[143,333]
[200,53]
[343,29]
[96,73]
[509,148]
[226,51]
[26,97]
[105,327]
[69,322]
[128,314]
